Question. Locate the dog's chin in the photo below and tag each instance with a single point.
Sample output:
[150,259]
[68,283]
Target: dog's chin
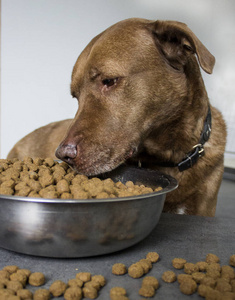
[98,166]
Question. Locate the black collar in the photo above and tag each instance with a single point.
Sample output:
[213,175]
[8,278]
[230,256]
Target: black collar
[197,151]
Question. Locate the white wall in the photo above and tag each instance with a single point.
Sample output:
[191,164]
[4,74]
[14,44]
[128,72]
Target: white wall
[42,39]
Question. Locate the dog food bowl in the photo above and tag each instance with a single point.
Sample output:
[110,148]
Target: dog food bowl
[80,228]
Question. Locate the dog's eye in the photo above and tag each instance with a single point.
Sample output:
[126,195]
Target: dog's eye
[110,82]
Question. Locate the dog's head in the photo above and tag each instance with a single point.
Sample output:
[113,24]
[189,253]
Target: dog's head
[130,80]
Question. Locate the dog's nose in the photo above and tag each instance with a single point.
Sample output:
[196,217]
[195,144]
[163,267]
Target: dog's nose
[66,152]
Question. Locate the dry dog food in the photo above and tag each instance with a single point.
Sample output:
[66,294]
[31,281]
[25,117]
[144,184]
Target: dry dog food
[47,178]
[151,280]
[58,288]
[119,269]
[178,263]
[36,279]
[203,280]
[188,287]
[42,294]
[147,291]
[169,276]
[72,293]
[117,291]
[84,276]
[25,294]
[232,260]
[90,292]
[153,256]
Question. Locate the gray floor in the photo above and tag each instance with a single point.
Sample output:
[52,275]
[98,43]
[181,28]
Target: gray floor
[189,237]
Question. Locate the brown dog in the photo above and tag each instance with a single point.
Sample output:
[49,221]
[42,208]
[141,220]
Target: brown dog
[142,99]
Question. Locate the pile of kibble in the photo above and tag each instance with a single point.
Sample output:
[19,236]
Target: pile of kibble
[46,178]
[208,278]
[13,282]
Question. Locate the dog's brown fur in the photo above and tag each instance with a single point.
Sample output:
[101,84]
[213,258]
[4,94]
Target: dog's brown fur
[153,110]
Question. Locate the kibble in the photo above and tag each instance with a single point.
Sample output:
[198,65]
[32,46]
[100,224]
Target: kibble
[169,276]
[178,263]
[36,279]
[73,293]
[57,288]
[49,179]
[210,280]
[153,257]
[41,294]
[119,269]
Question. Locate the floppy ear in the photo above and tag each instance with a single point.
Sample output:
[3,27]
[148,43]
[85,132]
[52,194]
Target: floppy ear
[177,42]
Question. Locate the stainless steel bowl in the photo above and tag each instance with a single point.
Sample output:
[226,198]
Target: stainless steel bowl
[80,228]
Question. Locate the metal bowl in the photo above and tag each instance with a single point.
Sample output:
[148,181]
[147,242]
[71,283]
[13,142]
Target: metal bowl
[80,228]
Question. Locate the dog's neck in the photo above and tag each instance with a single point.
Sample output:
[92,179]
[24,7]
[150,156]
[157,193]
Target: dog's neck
[169,144]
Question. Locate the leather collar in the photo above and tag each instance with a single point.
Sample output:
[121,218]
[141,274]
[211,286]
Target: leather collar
[197,151]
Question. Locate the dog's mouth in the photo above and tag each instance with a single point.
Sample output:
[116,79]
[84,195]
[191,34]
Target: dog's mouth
[101,162]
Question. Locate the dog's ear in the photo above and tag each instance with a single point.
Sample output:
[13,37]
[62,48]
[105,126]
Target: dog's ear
[176,41]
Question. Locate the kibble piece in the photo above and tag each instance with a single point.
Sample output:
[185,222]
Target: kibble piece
[232,282]
[90,292]
[213,295]
[184,277]
[213,267]
[147,291]
[178,263]
[4,274]
[150,280]
[202,265]
[223,286]
[22,278]
[62,186]
[75,282]
[120,297]
[203,290]
[136,271]
[153,256]
[227,271]
[212,258]
[146,264]
[92,284]
[100,279]
[117,291]
[213,274]
[208,281]
[188,287]
[4,293]
[49,162]
[84,276]
[198,276]
[12,297]
[14,285]
[41,294]
[11,269]
[4,281]
[119,269]
[6,191]
[25,294]
[232,260]
[169,276]
[58,288]
[25,272]
[190,268]
[36,279]
[73,293]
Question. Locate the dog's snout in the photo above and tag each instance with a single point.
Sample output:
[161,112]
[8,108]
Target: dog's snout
[66,152]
